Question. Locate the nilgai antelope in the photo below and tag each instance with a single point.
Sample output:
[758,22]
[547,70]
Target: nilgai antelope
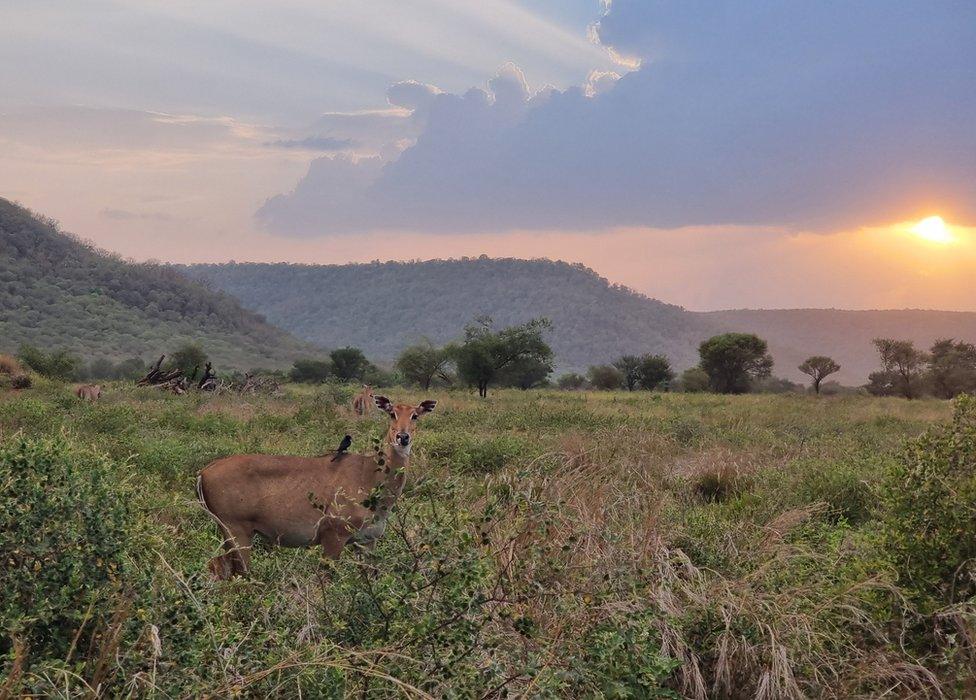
[307,501]
[88,392]
[362,400]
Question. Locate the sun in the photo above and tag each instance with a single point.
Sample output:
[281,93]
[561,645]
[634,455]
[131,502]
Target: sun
[933,229]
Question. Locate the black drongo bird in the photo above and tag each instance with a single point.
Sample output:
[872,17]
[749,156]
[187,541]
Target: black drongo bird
[343,446]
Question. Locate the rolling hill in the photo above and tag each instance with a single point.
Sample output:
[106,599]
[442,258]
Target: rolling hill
[381,307]
[59,292]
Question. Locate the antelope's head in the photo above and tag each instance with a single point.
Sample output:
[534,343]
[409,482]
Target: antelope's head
[367,390]
[403,418]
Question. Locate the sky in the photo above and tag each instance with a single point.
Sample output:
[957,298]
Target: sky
[713,154]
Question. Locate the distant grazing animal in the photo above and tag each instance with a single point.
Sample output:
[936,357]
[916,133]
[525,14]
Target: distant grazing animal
[343,447]
[89,392]
[307,501]
[363,399]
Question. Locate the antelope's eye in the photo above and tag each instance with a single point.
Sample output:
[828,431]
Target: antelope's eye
[413,416]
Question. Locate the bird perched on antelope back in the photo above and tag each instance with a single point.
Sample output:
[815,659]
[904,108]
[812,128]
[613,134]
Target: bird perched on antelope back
[343,446]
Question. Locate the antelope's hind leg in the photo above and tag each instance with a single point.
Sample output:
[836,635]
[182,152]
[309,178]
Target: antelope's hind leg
[236,559]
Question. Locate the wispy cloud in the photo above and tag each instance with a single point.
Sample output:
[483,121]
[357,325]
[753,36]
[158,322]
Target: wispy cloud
[314,143]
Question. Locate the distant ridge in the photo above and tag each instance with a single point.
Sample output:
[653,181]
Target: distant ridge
[59,292]
[383,306]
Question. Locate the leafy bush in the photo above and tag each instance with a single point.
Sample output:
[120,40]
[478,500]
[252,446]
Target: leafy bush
[64,530]
[929,500]
[59,364]
[571,381]
[605,377]
[311,371]
[693,380]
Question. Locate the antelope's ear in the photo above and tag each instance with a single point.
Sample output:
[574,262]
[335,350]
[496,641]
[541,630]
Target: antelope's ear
[383,404]
[425,407]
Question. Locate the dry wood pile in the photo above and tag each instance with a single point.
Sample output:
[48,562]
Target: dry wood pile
[176,380]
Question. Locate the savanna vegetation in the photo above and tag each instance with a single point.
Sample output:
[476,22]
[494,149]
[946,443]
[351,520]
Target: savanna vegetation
[548,544]
[61,294]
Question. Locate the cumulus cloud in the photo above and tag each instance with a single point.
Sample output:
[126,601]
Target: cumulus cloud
[794,115]
[412,95]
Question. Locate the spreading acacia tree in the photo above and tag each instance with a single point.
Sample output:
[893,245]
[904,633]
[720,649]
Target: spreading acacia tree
[734,360]
[485,353]
[423,362]
[819,367]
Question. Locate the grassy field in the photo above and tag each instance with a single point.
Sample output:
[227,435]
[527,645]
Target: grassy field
[548,544]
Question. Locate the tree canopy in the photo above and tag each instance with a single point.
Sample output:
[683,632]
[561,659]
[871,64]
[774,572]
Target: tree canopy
[902,368]
[349,363]
[421,363]
[486,353]
[733,360]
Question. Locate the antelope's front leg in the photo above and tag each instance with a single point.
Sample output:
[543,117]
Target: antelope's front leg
[332,540]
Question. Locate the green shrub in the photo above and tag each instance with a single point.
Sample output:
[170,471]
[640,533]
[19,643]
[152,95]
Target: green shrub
[64,529]
[929,499]
[623,659]
[464,454]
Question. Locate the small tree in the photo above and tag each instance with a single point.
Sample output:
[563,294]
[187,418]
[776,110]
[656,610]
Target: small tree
[654,371]
[605,377]
[571,381]
[629,368]
[349,363]
[187,357]
[485,354]
[904,363]
[421,363]
[734,360]
[952,368]
[819,367]
[310,371]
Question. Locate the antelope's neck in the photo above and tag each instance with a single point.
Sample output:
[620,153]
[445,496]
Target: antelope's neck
[395,476]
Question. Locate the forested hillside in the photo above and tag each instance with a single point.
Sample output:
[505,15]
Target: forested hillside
[58,292]
[383,307]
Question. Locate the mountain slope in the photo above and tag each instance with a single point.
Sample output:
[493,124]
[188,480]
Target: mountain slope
[382,307]
[56,291]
